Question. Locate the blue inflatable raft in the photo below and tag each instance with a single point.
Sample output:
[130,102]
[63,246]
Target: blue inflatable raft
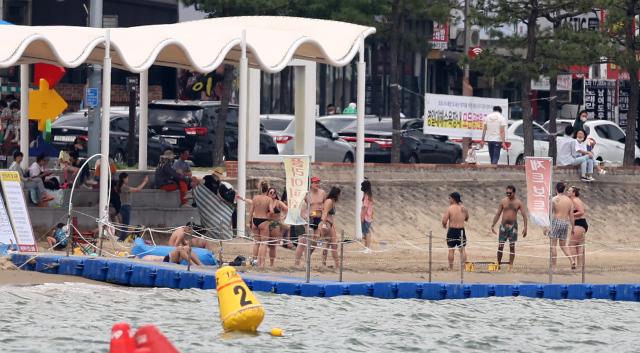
[141,249]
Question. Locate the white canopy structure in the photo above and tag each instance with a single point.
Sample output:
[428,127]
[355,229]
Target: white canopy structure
[266,43]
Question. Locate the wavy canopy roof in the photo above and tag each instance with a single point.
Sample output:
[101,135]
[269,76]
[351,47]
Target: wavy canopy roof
[198,45]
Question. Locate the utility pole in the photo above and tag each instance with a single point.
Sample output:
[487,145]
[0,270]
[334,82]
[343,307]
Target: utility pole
[94,83]
[1,10]
[467,90]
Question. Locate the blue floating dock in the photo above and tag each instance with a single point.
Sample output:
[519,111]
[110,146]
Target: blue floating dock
[135,273]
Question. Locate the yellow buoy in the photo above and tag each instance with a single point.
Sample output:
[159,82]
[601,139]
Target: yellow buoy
[239,308]
[276,332]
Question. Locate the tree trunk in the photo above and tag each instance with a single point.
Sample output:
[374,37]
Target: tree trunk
[632,117]
[553,115]
[218,145]
[527,120]
[394,51]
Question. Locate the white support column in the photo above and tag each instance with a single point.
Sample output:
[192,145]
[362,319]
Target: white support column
[253,119]
[104,134]
[242,137]
[360,138]
[24,114]
[305,107]
[144,120]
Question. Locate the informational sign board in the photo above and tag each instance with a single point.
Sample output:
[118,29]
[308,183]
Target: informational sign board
[624,94]
[598,98]
[92,97]
[458,116]
[440,38]
[6,231]
[17,209]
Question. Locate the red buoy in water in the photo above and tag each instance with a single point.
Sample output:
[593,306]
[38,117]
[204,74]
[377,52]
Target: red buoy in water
[121,339]
[149,336]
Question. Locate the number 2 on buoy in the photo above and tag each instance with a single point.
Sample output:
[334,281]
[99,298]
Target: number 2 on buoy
[243,296]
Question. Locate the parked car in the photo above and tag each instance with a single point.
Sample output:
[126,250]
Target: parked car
[609,137]
[68,127]
[329,146]
[415,146]
[192,125]
[337,122]
[515,143]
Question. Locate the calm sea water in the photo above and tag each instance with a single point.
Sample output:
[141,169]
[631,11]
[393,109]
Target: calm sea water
[78,318]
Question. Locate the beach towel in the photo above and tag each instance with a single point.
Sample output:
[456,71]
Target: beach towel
[215,213]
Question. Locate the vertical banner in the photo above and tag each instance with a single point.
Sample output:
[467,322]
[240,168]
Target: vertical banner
[539,173]
[18,214]
[6,232]
[624,94]
[297,170]
[598,98]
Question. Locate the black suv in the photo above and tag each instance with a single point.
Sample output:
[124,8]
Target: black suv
[191,125]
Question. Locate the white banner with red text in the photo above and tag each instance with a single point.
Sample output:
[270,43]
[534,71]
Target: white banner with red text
[297,170]
[458,116]
[539,172]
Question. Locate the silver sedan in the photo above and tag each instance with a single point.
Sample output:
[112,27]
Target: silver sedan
[329,146]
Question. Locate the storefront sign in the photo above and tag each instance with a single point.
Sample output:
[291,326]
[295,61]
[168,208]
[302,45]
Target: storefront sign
[599,98]
[440,38]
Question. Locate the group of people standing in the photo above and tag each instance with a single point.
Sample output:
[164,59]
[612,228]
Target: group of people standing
[567,229]
[268,213]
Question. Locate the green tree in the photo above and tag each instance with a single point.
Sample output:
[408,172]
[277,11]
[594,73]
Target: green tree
[523,57]
[621,31]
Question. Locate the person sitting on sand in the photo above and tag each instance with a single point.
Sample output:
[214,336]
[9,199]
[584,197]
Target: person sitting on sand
[59,239]
[453,219]
[561,222]
[176,256]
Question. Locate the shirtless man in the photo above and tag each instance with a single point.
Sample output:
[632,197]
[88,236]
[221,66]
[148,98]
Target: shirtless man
[508,209]
[180,236]
[453,219]
[561,222]
[317,196]
[259,215]
[176,256]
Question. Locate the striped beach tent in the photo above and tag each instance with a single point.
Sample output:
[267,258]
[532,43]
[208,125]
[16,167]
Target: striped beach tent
[215,213]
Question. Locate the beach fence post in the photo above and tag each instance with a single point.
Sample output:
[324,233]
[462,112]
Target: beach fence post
[308,255]
[550,262]
[341,254]
[430,260]
[584,245]
[461,265]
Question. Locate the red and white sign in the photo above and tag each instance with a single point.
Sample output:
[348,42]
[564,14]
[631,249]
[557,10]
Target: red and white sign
[297,170]
[539,173]
[474,52]
[440,38]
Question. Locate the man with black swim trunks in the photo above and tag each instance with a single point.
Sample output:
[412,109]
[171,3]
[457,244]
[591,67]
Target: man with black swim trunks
[508,209]
[453,219]
[316,198]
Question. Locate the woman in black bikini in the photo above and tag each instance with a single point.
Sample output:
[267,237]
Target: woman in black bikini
[580,227]
[259,215]
[276,209]
[327,226]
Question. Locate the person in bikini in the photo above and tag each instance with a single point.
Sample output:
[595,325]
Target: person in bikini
[327,227]
[580,226]
[453,220]
[316,198]
[276,209]
[508,210]
[561,223]
[259,215]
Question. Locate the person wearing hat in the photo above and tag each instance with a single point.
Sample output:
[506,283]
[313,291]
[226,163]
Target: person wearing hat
[453,220]
[167,179]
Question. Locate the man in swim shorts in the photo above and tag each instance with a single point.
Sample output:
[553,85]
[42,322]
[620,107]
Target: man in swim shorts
[561,223]
[508,209]
[176,256]
[316,198]
[453,220]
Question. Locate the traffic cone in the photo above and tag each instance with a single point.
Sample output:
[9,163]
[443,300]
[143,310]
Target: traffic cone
[121,339]
[148,336]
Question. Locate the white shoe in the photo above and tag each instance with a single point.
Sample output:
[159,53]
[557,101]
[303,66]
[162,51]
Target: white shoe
[590,178]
